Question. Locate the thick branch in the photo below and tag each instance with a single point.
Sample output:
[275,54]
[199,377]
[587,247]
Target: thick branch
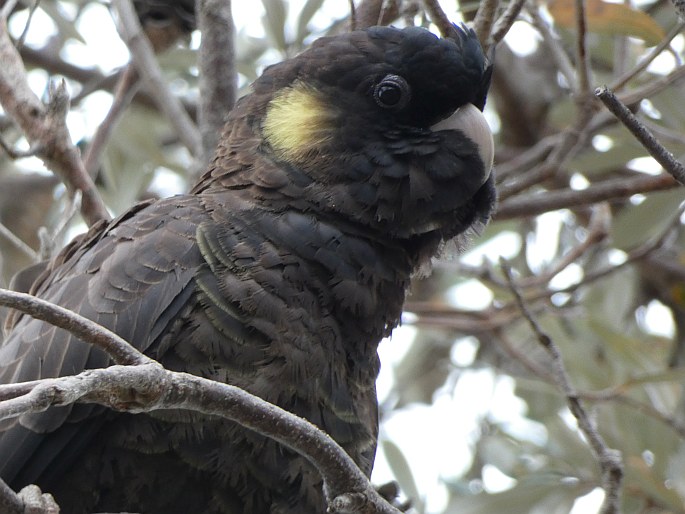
[150,387]
[218,79]
[484,20]
[45,128]
[10,503]
[83,328]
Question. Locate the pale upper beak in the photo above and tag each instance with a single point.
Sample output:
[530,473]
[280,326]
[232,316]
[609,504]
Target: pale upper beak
[470,121]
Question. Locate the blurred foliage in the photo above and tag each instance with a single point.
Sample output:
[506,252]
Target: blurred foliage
[616,309]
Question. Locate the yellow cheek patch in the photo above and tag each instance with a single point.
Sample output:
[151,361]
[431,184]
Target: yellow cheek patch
[298,122]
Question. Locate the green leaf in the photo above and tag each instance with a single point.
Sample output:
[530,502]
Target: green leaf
[638,223]
[402,471]
[609,19]
[535,495]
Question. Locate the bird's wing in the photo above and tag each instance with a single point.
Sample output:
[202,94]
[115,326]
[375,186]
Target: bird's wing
[132,276]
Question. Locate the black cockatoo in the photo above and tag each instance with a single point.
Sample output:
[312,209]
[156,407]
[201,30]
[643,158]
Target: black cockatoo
[341,173]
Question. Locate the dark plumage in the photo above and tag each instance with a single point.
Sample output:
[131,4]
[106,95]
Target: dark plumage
[279,273]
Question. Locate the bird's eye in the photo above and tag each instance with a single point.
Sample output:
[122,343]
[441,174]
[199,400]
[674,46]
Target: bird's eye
[392,92]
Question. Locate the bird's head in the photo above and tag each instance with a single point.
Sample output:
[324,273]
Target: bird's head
[384,127]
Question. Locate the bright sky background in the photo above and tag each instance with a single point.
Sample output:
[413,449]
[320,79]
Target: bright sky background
[436,438]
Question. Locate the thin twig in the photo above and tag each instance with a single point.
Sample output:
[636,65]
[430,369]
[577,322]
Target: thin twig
[653,86]
[19,154]
[582,59]
[148,68]
[505,21]
[32,10]
[83,328]
[620,82]
[610,460]
[123,95]
[597,231]
[538,203]
[563,63]
[528,158]
[570,141]
[642,134]
[18,243]
[353,16]
[634,255]
[70,209]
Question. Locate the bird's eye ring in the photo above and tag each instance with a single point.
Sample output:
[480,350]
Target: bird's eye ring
[392,92]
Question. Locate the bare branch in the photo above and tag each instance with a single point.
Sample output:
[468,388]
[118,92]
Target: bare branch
[149,387]
[561,60]
[582,57]
[534,204]
[438,17]
[485,17]
[620,82]
[653,86]
[45,128]
[18,243]
[83,328]
[505,21]
[123,95]
[218,78]
[634,255]
[353,16]
[10,502]
[376,12]
[597,231]
[148,68]
[642,134]
[609,459]
[7,8]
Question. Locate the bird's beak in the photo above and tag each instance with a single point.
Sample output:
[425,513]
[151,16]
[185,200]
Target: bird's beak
[470,121]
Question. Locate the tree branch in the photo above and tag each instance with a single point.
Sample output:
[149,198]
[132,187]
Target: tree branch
[10,502]
[642,134]
[609,459]
[149,387]
[117,348]
[505,21]
[145,385]
[123,95]
[538,203]
[439,18]
[45,127]
[485,16]
[144,59]
[582,58]
[218,79]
